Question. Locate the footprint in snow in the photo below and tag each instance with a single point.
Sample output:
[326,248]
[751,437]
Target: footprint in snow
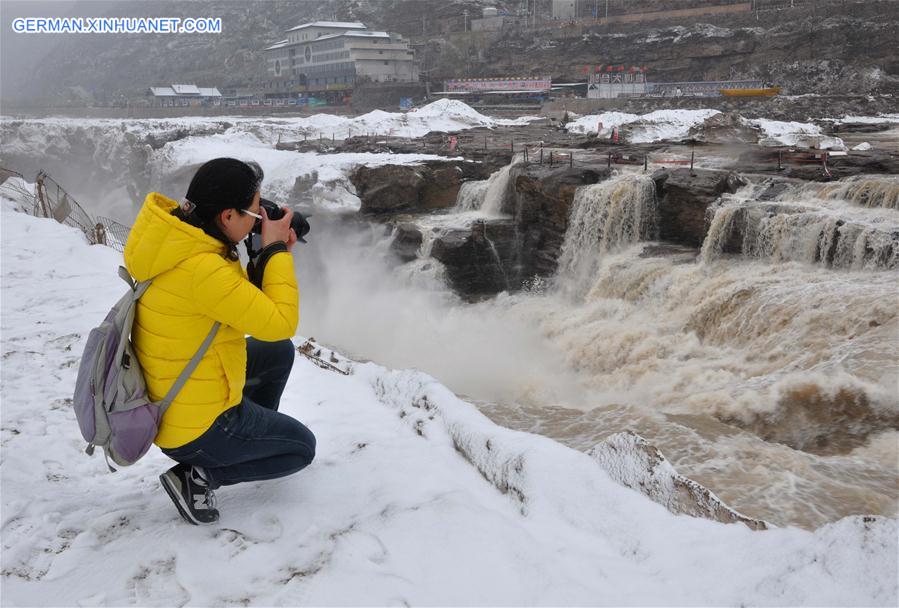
[155,583]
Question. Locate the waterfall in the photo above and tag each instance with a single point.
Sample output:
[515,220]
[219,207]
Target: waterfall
[860,190]
[471,195]
[498,260]
[604,216]
[844,238]
[498,189]
[720,228]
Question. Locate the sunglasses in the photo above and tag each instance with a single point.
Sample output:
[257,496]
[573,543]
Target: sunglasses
[251,214]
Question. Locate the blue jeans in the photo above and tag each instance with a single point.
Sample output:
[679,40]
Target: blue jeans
[253,440]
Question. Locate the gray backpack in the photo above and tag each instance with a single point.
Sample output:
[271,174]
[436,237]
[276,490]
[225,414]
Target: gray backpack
[111,401]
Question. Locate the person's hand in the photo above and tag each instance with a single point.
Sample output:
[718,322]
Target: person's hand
[292,240]
[277,230]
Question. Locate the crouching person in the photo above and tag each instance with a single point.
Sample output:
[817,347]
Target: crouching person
[223,427]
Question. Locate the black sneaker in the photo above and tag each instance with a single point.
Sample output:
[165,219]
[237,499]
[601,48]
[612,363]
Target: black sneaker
[189,491]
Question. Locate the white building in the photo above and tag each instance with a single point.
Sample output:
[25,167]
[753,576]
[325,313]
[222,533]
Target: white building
[184,95]
[333,56]
[617,81]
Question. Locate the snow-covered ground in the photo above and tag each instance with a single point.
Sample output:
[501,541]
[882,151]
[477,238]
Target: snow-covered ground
[660,125]
[675,125]
[891,118]
[415,498]
[441,115]
[789,133]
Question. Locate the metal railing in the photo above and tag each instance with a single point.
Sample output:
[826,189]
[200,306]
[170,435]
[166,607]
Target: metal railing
[50,200]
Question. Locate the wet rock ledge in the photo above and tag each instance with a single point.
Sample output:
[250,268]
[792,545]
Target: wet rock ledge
[413,188]
[489,256]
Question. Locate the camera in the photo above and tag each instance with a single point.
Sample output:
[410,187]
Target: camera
[298,222]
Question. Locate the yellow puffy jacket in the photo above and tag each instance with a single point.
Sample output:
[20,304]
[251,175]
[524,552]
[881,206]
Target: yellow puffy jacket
[193,286]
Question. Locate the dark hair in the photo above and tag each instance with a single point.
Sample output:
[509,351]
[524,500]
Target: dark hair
[223,183]
[220,184]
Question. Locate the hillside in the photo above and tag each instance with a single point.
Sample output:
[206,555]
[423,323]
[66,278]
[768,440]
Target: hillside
[824,48]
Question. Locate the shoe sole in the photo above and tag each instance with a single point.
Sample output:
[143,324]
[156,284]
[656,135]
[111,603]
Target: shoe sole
[176,497]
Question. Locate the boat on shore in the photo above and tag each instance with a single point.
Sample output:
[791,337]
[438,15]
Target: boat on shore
[764,92]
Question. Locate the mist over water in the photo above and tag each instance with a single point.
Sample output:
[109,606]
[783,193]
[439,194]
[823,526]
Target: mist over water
[404,316]
[768,373]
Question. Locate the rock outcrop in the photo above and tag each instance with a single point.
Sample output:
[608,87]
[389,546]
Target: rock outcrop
[406,242]
[495,255]
[413,188]
[490,255]
[684,197]
[725,128]
[481,260]
[541,204]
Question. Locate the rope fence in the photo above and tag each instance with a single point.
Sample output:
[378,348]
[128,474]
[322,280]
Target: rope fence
[50,200]
[532,153]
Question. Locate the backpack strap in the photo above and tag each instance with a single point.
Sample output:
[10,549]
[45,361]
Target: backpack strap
[126,276]
[191,366]
[138,287]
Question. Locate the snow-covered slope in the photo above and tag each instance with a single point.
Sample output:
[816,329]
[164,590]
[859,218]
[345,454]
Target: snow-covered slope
[660,125]
[675,125]
[440,115]
[415,497]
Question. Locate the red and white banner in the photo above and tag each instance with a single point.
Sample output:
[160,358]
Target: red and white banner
[543,83]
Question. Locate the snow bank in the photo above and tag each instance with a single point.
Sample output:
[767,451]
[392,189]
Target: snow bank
[146,154]
[441,115]
[674,125]
[660,125]
[414,498]
[784,133]
[609,120]
[16,194]
[892,118]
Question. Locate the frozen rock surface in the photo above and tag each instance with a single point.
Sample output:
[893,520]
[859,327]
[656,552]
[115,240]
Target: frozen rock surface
[634,462]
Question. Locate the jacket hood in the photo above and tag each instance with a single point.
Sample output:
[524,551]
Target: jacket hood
[159,241]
